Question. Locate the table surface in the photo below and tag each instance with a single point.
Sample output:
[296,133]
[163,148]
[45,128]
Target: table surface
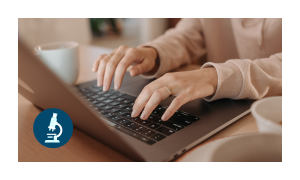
[82,147]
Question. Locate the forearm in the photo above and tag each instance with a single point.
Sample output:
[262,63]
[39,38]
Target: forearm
[181,45]
[241,79]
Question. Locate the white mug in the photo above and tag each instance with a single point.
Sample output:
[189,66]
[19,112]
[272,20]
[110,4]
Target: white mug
[62,58]
[268,114]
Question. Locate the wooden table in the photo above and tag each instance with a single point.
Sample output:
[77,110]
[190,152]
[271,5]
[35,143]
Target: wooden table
[82,147]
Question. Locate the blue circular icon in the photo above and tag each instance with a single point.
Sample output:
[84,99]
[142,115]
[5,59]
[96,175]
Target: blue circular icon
[53,128]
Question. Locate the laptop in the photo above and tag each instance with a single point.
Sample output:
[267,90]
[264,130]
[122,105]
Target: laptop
[106,116]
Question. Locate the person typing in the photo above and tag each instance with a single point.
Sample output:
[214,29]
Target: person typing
[244,61]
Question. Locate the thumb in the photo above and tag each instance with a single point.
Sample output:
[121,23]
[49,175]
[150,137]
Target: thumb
[141,68]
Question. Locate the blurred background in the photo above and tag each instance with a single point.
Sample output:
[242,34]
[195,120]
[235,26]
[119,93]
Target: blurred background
[105,32]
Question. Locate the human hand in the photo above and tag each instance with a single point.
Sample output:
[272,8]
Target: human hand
[121,58]
[187,86]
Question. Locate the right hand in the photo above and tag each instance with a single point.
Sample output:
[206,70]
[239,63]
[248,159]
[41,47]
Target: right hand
[121,58]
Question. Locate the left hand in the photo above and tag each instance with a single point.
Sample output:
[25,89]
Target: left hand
[187,86]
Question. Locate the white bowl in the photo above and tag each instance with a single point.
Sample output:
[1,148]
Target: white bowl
[258,147]
[268,114]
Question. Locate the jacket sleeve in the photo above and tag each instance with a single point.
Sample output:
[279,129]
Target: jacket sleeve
[247,79]
[180,45]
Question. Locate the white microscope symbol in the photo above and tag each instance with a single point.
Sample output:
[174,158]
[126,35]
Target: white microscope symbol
[52,125]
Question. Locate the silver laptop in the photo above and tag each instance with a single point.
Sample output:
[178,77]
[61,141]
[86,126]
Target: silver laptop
[106,115]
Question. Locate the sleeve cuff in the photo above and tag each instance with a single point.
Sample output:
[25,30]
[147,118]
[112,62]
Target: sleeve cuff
[230,80]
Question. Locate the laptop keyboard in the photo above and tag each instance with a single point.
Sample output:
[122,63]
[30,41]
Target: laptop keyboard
[117,107]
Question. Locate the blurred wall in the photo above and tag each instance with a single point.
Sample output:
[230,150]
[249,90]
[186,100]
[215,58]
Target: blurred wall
[151,28]
[35,31]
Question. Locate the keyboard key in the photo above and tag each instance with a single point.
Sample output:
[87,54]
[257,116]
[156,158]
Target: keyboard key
[157,112]
[100,104]
[108,115]
[89,99]
[127,115]
[165,131]
[126,101]
[95,102]
[119,99]
[136,135]
[114,110]
[113,97]
[135,119]
[89,94]
[94,90]
[127,131]
[153,126]
[122,121]
[95,96]
[114,103]
[101,99]
[96,87]
[172,125]
[180,120]
[192,118]
[121,106]
[108,101]
[100,93]
[159,121]
[112,91]
[186,116]
[84,90]
[114,118]
[157,137]
[107,107]
[140,128]
[160,108]
[131,125]
[102,111]
[121,113]
[107,94]
[144,122]
[151,118]
[128,108]
[148,133]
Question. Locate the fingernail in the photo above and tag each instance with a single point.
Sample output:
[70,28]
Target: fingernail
[143,116]
[164,117]
[105,87]
[116,86]
[93,69]
[133,114]
[133,72]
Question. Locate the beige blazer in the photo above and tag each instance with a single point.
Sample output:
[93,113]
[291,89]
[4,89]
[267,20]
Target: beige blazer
[247,54]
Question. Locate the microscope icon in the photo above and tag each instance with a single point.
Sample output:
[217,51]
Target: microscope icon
[52,125]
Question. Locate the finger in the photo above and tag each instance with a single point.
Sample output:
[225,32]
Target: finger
[131,55]
[101,70]
[111,66]
[96,63]
[175,105]
[145,95]
[155,99]
[138,69]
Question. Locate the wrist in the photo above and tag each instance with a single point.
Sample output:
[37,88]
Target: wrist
[210,76]
[151,55]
